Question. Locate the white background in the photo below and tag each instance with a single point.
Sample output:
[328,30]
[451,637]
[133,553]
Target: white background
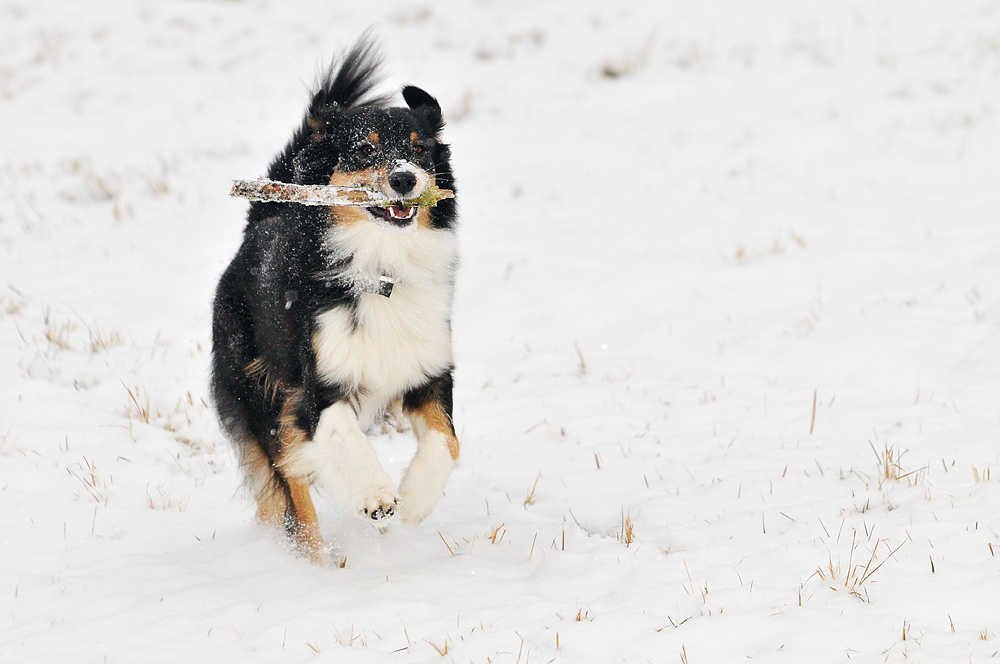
[681,222]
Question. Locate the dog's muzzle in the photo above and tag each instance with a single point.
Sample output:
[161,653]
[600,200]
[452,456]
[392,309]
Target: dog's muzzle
[405,181]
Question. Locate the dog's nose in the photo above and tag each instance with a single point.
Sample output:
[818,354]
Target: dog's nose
[402,182]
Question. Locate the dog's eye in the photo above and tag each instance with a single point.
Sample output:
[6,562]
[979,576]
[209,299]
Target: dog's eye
[418,148]
[366,150]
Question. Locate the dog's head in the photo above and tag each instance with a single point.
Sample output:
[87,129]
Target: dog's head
[395,151]
[351,137]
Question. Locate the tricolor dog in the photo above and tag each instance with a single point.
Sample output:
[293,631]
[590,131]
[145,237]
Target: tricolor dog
[328,316]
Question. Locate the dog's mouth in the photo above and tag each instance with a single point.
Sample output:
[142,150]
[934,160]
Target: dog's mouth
[397,214]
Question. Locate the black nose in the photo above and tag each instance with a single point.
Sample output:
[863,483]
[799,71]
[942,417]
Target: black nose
[402,182]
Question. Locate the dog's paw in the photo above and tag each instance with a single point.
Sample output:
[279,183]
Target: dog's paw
[425,479]
[418,500]
[322,558]
[378,504]
[413,511]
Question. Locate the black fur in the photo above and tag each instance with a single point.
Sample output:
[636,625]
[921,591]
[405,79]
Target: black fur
[268,299]
[438,390]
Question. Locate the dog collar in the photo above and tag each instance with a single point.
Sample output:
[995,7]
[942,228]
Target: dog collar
[385,284]
[359,282]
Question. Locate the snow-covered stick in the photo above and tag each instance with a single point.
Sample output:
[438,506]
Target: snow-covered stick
[272,191]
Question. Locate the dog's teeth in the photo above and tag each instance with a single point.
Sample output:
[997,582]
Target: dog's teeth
[400,212]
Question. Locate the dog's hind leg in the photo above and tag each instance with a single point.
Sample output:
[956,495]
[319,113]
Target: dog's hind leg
[284,502]
[299,514]
[429,409]
[308,539]
[268,488]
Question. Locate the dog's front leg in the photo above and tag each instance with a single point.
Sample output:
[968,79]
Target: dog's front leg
[430,411]
[341,458]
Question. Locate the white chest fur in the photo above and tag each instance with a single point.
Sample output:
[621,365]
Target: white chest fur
[396,343]
[389,345]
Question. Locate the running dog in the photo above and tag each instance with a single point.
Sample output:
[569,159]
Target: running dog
[327,317]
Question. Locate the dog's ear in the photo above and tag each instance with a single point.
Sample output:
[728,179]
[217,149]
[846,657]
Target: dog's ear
[425,106]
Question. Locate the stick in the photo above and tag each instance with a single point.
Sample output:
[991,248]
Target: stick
[271,191]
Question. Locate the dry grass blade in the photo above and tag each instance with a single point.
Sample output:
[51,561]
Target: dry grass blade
[441,650]
[450,550]
[627,534]
[582,362]
[867,574]
[530,498]
[91,489]
[812,421]
[496,534]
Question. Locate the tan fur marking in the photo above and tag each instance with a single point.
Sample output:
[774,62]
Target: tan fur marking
[369,177]
[307,535]
[373,137]
[414,137]
[255,367]
[424,218]
[257,370]
[272,513]
[317,129]
[289,433]
[262,483]
[271,509]
[433,415]
[291,437]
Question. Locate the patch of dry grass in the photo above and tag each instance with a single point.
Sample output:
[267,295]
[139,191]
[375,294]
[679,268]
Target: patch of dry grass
[854,578]
[102,340]
[137,406]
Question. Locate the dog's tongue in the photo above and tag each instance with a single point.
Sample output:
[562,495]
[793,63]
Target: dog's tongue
[400,211]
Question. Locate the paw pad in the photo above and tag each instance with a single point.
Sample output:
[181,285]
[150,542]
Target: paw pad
[381,510]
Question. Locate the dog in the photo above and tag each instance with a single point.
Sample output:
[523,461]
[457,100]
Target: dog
[327,317]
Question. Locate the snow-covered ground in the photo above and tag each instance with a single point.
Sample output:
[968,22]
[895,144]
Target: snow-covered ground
[727,327]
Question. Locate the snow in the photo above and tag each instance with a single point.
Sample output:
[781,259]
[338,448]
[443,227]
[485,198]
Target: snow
[683,225]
